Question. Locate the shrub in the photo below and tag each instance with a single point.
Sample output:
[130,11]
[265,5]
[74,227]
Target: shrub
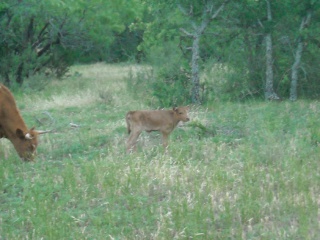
[168,82]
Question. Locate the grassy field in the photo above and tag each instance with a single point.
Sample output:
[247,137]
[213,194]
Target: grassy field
[235,171]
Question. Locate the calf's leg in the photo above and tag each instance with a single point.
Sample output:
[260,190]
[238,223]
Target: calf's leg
[132,141]
[165,136]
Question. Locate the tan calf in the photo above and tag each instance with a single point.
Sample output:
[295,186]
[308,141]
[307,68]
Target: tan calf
[154,120]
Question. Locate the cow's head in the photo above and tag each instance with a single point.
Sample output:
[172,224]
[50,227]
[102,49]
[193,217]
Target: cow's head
[26,143]
[182,113]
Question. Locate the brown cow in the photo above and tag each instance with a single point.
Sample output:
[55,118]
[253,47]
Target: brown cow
[13,127]
[154,120]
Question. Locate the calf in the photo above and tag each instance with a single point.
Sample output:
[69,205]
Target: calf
[154,120]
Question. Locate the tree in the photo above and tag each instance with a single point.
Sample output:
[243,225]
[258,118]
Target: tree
[267,42]
[110,27]
[269,90]
[306,19]
[207,16]
[52,34]
[189,21]
[36,36]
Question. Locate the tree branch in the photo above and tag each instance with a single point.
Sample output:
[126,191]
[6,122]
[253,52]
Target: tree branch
[187,33]
[305,21]
[208,10]
[219,10]
[29,30]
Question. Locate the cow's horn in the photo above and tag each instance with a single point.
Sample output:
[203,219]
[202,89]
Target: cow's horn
[42,132]
[28,136]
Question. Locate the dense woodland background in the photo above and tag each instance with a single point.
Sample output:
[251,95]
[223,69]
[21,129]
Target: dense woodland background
[199,50]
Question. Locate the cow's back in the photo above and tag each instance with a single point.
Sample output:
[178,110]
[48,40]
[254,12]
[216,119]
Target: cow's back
[8,105]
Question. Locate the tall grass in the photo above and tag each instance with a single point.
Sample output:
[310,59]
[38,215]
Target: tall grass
[251,171]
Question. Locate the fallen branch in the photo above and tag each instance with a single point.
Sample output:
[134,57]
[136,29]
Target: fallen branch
[203,129]
[74,125]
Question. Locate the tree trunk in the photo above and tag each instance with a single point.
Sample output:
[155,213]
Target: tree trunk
[269,92]
[297,59]
[250,61]
[294,71]
[19,78]
[195,95]
[7,81]
[207,17]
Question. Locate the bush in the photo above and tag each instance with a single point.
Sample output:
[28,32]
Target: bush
[168,82]
[171,88]
[220,82]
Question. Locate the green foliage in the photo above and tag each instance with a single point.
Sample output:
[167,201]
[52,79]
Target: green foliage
[171,88]
[134,30]
[37,36]
[168,83]
[107,23]
[33,36]
[237,40]
[139,84]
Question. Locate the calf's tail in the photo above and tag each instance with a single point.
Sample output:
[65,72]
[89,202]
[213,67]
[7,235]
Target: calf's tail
[128,119]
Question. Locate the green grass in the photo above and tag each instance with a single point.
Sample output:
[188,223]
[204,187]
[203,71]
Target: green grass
[236,171]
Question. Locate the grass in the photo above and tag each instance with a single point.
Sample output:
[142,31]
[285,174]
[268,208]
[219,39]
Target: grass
[236,171]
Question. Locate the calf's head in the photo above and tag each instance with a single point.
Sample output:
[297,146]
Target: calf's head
[26,144]
[182,113]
